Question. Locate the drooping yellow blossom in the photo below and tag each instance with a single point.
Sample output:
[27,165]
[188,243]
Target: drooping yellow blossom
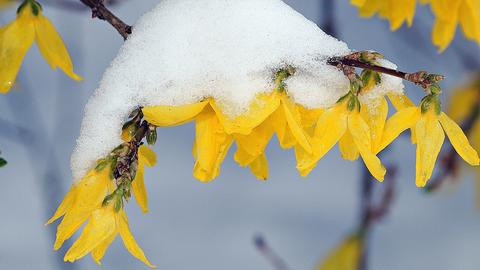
[105,223]
[397,12]
[342,122]
[344,257]
[18,36]
[86,201]
[146,157]
[448,15]
[215,132]
[431,125]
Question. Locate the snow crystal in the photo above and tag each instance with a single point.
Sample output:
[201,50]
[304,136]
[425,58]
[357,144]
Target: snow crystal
[185,50]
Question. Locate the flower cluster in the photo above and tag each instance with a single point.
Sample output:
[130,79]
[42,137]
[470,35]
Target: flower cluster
[359,127]
[448,15]
[17,37]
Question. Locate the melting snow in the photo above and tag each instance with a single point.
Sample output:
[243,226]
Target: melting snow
[185,50]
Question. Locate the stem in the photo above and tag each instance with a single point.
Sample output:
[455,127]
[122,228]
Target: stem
[100,11]
[421,78]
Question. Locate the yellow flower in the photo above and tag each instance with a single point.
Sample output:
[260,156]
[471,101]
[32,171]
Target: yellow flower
[86,201]
[431,125]
[269,113]
[397,12]
[17,37]
[105,223]
[342,122]
[448,14]
[344,257]
[463,102]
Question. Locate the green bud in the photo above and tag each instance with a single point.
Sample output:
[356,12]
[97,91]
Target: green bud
[377,78]
[3,162]
[108,198]
[118,204]
[343,98]
[353,104]
[434,89]
[438,105]
[151,135]
[426,103]
[366,75]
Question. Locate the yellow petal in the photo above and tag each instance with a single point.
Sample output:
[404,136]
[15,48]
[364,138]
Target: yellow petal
[376,118]
[259,167]
[400,102]
[399,122]
[462,103]
[212,144]
[243,158]
[99,251]
[65,205]
[293,118]
[91,191]
[309,117]
[101,226]
[166,116]
[430,138]
[459,140]
[284,135]
[348,149]
[255,142]
[357,3]
[331,126]
[146,157]
[52,47]
[400,11]
[128,240]
[344,257]
[443,33]
[469,16]
[305,161]
[262,106]
[361,136]
[15,40]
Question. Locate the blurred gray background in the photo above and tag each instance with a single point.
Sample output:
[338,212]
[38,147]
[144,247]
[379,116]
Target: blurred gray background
[210,226]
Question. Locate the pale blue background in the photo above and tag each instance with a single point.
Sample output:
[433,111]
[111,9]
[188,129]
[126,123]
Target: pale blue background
[210,226]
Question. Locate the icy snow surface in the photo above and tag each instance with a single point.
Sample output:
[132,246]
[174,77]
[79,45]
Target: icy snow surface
[185,50]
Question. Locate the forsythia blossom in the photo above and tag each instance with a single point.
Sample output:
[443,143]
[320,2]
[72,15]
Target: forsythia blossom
[17,37]
[448,15]
[430,124]
[95,199]
[358,125]
[344,257]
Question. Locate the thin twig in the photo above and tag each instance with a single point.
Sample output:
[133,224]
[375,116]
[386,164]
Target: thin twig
[371,213]
[421,78]
[276,261]
[101,12]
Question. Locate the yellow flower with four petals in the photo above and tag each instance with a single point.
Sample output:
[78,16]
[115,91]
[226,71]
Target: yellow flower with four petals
[18,36]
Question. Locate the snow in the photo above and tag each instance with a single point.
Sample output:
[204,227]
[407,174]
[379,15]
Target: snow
[185,50]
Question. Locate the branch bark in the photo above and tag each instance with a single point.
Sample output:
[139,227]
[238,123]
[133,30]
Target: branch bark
[103,13]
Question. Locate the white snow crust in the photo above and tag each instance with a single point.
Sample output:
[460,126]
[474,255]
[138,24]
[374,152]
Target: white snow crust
[185,50]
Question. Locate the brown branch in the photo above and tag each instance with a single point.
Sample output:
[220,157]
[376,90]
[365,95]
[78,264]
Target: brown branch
[357,59]
[276,261]
[100,11]
[372,213]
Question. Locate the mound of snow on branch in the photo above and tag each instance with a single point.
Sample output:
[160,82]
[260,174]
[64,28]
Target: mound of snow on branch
[185,50]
